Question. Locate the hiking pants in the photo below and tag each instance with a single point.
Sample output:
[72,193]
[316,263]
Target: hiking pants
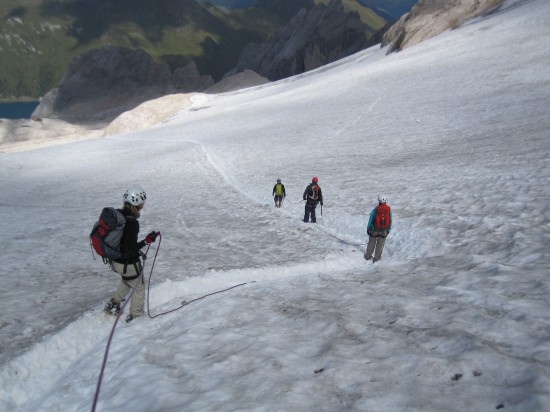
[310,210]
[138,297]
[376,245]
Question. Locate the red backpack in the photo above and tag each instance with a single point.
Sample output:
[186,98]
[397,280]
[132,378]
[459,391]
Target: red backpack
[382,219]
[107,234]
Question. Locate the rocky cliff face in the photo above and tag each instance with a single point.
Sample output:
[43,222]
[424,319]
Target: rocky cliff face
[102,83]
[429,18]
[311,39]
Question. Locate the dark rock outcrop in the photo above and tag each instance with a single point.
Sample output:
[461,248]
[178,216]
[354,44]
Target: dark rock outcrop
[102,83]
[188,79]
[311,39]
[429,18]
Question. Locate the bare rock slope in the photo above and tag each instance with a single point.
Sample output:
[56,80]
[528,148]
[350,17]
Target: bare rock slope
[429,18]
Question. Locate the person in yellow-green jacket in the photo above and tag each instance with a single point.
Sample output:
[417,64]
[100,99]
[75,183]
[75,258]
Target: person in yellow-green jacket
[279,193]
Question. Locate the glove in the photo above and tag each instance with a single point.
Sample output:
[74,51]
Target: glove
[369,232]
[151,237]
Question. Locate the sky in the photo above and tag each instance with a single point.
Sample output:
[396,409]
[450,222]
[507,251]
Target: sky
[285,315]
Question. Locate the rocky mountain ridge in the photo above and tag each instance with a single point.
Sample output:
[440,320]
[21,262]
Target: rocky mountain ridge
[311,39]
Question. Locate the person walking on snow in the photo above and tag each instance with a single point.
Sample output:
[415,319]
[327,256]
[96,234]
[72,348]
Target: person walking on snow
[279,193]
[130,267]
[312,196]
[378,228]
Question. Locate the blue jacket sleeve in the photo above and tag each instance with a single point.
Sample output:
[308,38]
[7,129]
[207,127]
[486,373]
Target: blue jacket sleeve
[371,219]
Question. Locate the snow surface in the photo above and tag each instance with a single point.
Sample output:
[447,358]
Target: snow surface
[455,131]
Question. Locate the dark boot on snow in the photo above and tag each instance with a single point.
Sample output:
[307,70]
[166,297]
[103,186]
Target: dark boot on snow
[112,308]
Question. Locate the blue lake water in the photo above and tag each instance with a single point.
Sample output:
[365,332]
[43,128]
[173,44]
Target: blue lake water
[17,110]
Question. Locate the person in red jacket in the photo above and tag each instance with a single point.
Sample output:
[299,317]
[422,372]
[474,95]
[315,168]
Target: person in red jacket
[130,266]
[378,228]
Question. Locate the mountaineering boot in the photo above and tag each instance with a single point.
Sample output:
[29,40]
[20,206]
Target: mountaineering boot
[112,308]
[129,318]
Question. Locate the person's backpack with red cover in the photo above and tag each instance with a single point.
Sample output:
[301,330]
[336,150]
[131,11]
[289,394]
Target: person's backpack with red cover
[107,234]
[382,220]
[314,192]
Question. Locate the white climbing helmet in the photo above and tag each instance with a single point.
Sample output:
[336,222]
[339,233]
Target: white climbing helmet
[135,195]
[382,199]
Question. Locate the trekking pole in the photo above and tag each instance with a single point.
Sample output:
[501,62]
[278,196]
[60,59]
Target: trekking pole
[151,273]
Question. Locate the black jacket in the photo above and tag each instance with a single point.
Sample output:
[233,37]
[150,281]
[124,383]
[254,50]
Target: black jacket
[308,195]
[129,245]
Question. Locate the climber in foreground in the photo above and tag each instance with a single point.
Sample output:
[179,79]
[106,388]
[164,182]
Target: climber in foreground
[378,228]
[129,265]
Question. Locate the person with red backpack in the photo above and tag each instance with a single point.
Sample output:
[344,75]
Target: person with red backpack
[313,196]
[378,228]
[130,266]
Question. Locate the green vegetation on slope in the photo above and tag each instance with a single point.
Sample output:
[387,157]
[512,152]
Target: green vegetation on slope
[38,38]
